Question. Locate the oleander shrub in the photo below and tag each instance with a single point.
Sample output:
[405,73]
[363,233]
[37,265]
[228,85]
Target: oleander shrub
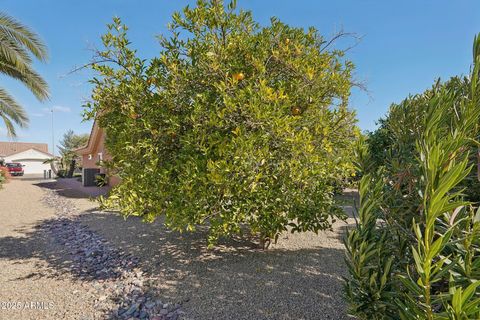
[393,144]
[232,124]
[415,250]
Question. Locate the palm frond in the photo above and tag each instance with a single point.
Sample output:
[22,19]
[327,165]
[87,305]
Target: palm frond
[23,35]
[11,113]
[13,53]
[11,132]
[37,85]
[17,44]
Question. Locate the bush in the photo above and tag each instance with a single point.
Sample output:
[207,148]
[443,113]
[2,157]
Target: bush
[414,253]
[232,124]
[61,173]
[101,180]
[393,145]
[4,175]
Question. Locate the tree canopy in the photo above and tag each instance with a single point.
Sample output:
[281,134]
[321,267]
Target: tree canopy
[232,124]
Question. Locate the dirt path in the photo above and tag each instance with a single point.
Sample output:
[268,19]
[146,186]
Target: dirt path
[30,287]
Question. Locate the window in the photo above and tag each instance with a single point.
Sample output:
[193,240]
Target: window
[14,165]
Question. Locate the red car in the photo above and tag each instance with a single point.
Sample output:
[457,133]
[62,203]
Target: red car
[15,168]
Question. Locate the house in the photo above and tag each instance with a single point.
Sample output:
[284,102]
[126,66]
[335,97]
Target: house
[92,155]
[31,155]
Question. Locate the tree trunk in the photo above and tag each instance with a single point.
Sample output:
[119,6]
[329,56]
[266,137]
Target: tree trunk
[54,167]
[71,169]
[265,241]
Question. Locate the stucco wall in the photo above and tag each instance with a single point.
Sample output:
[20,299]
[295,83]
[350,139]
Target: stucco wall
[91,160]
[99,153]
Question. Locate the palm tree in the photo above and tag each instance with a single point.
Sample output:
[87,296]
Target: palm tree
[18,44]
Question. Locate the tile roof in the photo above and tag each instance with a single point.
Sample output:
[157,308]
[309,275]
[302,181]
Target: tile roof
[8,148]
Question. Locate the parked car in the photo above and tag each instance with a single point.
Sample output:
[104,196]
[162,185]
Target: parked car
[15,168]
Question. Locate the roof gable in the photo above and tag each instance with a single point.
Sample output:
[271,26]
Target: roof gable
[94,139]
[8,148]
[29,153]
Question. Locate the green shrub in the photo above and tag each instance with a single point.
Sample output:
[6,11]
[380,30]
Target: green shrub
[4,175]
[61,173]
[415,252]
[393,144]
[101,180]
[232,124]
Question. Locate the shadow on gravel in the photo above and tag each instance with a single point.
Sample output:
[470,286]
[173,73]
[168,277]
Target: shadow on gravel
[64,192]
[75,251]
[236,280]
[72,188]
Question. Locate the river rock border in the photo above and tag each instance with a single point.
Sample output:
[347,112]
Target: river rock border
[113,277]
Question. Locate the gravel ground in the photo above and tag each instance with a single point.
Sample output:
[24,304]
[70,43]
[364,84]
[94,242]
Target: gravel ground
[298,278]
[121,289]
[25,275]
[45,249]
[115,268]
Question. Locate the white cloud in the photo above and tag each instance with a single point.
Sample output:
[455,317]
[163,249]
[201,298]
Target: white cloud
[61,109]
[57,109]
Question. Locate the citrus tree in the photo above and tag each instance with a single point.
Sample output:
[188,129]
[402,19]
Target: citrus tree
[232,124]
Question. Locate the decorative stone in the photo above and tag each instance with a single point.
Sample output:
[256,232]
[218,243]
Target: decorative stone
[132,310]
[106,272]
[164,312]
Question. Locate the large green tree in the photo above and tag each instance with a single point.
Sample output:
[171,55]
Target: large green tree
[233,124]
[18,44]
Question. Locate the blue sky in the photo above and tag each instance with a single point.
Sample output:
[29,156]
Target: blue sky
[406,45]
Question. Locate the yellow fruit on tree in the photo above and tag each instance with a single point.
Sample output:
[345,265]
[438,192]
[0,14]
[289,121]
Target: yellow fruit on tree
[296,110]
[134,115]
[238,76]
